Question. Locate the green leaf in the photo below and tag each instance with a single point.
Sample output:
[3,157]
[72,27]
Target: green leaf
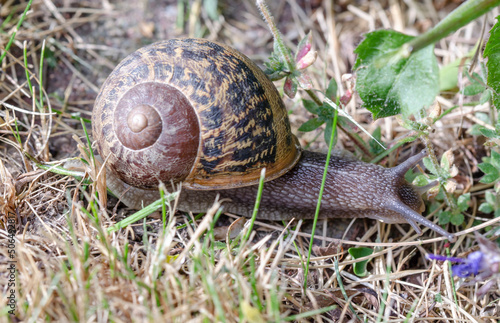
[275,68]
[474,89]
[475,130]
[430,166]
[374,146]
[349,126]
[311,106]
[495,159]
[444,217]
[485,97]
[492,52]
[438,298]
[448,76]
[487,168]
[331,90]
[445,163]
[326,112]
[483,117]
[311,125]
[457,219]
[490,197]
[488,133]
[485,208]
[328,132]
[463,202]
[475,78]
[411,177]
[359,267]
[390,83]
[487,179]
[219,245]
[420,180]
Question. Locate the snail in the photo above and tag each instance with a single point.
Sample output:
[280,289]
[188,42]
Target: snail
[201,113]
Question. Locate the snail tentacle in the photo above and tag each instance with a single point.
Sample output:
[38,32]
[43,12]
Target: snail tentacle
[411,217]
[401,169]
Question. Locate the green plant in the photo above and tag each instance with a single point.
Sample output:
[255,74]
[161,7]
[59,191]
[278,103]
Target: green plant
[491,169]
[359,267]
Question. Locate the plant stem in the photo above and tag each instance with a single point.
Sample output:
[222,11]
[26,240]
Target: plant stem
[432,155]
[358,143]
[279,44]
[314,97]
[458,18]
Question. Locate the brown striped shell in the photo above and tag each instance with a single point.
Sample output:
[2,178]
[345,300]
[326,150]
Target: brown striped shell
[195,111]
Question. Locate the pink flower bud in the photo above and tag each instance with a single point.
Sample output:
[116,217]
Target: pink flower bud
[346,98]
[303,51]
[304,47]
[290,87]
[307,60]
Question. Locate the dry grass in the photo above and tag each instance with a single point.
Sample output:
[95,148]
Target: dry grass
[70,269]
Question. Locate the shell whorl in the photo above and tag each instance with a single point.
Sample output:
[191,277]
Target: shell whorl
[231,118]
[137,125]
[138,120]
[166,148]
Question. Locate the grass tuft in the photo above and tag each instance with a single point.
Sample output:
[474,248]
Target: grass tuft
[77,259]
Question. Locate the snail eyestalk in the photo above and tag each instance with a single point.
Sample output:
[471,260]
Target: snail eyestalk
[405,166]
[411,217]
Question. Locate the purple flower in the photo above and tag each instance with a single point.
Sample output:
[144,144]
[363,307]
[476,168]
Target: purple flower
[484,264]
[469,266]
[485,260]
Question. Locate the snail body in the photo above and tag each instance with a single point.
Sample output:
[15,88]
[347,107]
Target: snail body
[201,113]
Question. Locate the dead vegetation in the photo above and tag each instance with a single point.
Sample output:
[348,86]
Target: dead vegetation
[69,268]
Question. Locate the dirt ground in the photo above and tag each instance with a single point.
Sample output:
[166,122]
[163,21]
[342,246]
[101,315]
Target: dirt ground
[70,269]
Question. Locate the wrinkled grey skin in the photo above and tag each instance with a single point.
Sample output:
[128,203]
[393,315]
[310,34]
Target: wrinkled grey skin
[352,189]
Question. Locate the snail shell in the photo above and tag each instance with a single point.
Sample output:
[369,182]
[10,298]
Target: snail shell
[194,111]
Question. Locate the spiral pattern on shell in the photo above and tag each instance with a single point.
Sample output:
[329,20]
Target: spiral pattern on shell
[195,111]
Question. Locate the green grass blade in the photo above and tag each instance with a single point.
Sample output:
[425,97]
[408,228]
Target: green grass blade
[13,36]
[256,206]
[322,188]
[26,69]
[142,213]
